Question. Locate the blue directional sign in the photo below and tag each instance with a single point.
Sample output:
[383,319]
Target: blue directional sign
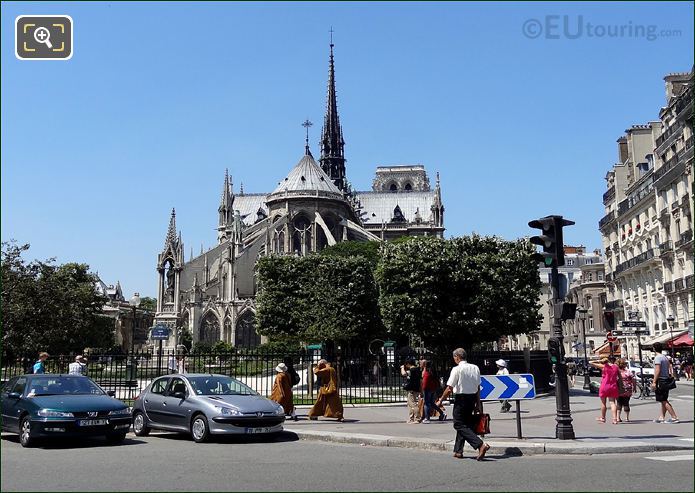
[160,333]
[512,387]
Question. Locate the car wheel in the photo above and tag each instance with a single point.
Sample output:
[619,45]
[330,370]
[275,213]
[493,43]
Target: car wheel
[200,429]
[116,437]
[140,427]
[25,438]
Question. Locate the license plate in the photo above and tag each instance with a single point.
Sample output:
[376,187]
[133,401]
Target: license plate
[258,430]
[92,422]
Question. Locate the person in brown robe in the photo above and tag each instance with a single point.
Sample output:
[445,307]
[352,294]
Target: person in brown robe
[328,402]
[282,390]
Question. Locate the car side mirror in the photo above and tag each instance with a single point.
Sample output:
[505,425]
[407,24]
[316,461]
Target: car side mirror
[179,395]
[14,395]
[111,393]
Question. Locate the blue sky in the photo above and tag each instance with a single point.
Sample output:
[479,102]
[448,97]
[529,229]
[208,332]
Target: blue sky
[159,98]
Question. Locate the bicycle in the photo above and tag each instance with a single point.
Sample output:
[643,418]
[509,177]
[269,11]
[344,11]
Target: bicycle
[644,388]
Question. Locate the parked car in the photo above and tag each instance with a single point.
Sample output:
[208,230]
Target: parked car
[647,369]
[204,405]
[36,406]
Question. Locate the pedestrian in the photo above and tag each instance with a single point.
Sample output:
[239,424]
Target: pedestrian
[628,379]
[79,366]
[663,373]
[609,388]
[181,364]
[688,366]
[282,390]
[502,370]
[412,385]
[40,365]
[464,383]
[328,402]
[172,364]
[430,385]
[295,379]
[571,372]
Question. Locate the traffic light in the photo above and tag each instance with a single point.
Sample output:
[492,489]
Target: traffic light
[609,319]
[556,351]
[550,239]
[569,310]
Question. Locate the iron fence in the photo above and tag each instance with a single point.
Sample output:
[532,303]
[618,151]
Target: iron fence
[364,377]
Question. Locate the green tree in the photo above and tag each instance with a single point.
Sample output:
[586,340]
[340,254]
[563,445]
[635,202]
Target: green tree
[148,303]
[458,292]
[48,307]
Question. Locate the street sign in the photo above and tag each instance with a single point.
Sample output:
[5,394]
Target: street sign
[631,332]
[610,337]
[512,387]
[633,323]
[160,333]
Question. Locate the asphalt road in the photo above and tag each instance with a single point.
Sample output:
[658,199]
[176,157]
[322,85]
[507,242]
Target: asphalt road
[171,462]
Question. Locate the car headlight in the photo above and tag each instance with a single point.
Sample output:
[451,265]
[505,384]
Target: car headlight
[280,411]
[48,413]
[227,411]
[120,412]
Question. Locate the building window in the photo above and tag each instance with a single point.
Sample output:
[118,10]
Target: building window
[590,277]
[600,276]
[591,324]
[569,261]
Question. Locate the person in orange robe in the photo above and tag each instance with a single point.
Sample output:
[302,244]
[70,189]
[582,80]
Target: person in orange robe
[328,402]
[282,390]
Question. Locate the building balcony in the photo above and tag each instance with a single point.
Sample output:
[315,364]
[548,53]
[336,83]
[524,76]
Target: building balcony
[668,135]
[668,171]
[689,282]
[609,195]
[679,285]
[636,261]
[605,220]
[666,247]
[668,287]
[636,197]
[685,201]
[686,237]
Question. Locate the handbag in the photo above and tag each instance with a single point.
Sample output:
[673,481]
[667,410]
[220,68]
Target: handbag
[668,383]
[481,423]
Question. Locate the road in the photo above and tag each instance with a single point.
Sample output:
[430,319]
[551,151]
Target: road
[171,462]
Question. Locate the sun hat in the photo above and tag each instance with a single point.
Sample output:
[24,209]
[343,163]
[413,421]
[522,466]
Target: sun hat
[501,362]
[281,368]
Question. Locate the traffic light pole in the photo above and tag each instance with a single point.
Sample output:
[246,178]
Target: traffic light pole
[563,429]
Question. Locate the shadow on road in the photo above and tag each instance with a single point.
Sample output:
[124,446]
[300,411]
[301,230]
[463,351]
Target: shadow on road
[74,443]
[283,436]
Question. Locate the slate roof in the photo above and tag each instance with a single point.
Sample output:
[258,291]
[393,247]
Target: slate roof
[377,207]
[307,175]
[248,205]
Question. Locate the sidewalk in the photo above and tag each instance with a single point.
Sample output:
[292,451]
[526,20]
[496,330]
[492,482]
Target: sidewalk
[386,427]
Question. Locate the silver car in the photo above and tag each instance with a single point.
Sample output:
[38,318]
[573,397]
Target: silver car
[204,404]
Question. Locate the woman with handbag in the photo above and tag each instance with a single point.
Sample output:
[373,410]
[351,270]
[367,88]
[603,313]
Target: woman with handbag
[609,389]
[662,383]
[628,387]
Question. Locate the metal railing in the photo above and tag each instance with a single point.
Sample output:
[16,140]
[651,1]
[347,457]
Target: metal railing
[686,237]
[606,219]
[689,281]
[668,287]
[364,377]
[678,285]
[609,195]
[635,198]
[633,262]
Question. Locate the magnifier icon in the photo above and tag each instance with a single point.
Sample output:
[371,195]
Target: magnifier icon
[43,35]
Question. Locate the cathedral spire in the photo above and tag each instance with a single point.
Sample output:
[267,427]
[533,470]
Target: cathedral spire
[332,144]
[171,232]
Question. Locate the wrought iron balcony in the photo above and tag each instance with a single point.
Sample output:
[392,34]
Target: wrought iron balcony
[668,133]
[636,197]
[606,219]
[686,237]
[668,287]
[609,195]
[634,262]
[689,282]
[679,285]
[666,247]
[666,167]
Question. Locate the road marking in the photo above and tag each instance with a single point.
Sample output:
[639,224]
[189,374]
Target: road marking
[672,458]
[687,439]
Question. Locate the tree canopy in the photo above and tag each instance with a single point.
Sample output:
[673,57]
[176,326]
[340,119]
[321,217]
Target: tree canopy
[48,307]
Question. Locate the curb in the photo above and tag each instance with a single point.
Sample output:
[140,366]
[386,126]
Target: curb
[497,447]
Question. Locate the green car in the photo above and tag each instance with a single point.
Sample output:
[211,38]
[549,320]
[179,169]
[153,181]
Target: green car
[37,406]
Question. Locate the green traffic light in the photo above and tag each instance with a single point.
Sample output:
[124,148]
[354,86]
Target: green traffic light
[548,261]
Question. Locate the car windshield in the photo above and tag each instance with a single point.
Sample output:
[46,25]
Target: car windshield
[219,385]
[56,385]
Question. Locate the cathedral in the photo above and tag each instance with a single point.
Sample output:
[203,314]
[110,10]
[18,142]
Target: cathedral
[212,295]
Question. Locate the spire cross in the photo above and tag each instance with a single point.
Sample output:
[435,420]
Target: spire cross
[306,125]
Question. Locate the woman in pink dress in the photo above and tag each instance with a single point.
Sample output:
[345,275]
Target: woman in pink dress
[608,390]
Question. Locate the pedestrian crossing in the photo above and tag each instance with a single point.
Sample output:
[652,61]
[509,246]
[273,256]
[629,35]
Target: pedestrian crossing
[672,458]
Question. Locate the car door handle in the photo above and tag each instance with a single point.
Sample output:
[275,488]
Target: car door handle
[146,401]
[164,404]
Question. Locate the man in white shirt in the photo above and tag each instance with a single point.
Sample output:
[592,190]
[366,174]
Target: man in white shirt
[464,383]
[79,367]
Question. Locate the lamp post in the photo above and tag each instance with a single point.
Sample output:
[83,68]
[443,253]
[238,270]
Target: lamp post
[670,319]
[581,312]
[135,303]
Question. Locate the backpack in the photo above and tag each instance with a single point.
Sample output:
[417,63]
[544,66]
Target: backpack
[294,377]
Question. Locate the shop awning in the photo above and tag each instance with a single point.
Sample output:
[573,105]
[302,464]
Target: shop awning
[665,339]
[605,350]
[682,340]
